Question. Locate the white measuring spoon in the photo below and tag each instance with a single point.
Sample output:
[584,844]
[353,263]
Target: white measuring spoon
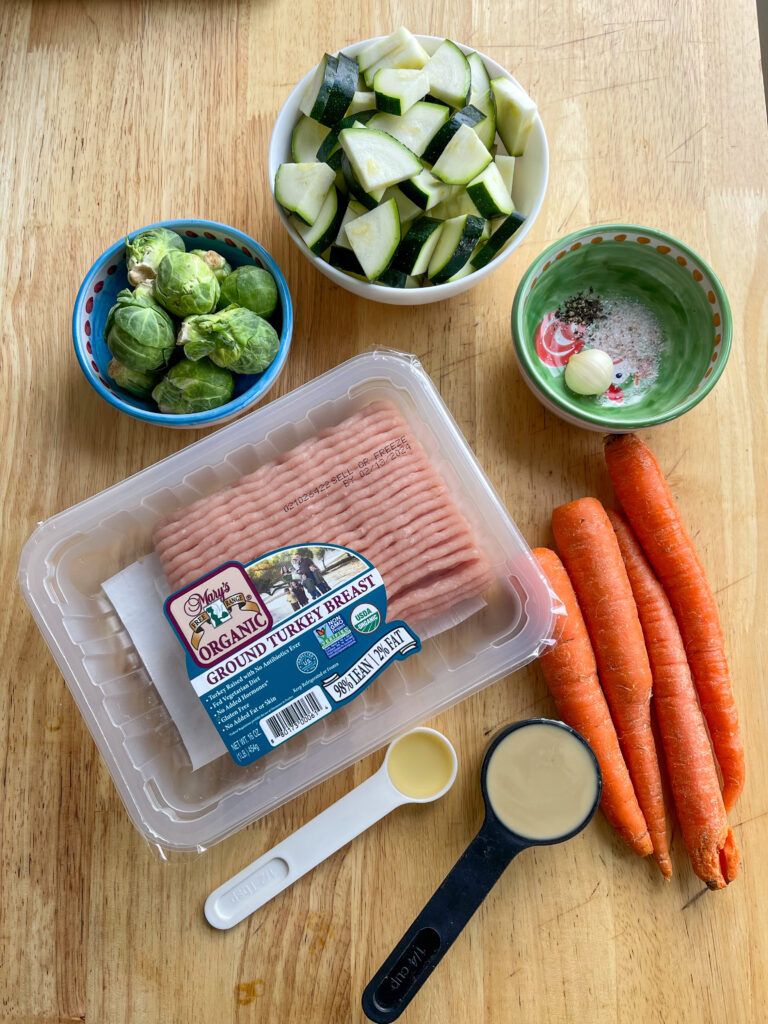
[419,767]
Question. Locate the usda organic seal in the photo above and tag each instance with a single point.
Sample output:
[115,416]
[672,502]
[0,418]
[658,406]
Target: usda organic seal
[365,618]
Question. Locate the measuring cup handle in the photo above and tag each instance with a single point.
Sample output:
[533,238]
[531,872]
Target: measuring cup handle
[263,879]
[433,932]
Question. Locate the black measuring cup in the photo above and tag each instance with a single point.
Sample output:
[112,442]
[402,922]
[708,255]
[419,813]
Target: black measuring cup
[465,887]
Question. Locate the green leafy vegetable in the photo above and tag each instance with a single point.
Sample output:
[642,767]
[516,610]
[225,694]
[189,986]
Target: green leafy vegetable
[138,332]
[236,338]
[136,382]
[194,387]
[185,284]
[144,253]
[215,261]
[251,287]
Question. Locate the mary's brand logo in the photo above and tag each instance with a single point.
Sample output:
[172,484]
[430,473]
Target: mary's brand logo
[218,615]
[198,601]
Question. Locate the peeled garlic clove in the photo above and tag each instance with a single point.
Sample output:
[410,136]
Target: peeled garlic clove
[589,372]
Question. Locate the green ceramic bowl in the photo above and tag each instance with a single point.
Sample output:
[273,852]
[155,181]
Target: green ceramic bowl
[624,262]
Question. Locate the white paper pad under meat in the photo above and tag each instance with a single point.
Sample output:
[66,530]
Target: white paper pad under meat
[137,594]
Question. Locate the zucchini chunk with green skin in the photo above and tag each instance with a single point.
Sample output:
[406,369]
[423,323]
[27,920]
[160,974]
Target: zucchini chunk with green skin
[488,191]
[506,165]
[416,248]
[407,211]
[307,139]
[302,188]
[318,236]
[345,260]
[486,129]
[368,199]
[417,126]
[381,47]
[515,114]
[397,89]
[361,103]
[480,80]
[374,237]
[468,115]
[331,89]
[456,205]
[424,190]
[449,73]
[462,159]
[410,54]
[330,144]
[498,240]
[377,159]
[392,278]
[353,210]
[454,247]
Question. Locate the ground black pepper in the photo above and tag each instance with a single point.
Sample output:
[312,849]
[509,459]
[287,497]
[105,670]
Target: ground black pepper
[582,308]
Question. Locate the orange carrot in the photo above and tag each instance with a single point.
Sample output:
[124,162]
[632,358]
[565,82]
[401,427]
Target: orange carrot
[571,674]
[655,518]
[688,755]
[591,555]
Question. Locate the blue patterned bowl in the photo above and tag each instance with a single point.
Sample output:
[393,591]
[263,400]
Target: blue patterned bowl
[107,277]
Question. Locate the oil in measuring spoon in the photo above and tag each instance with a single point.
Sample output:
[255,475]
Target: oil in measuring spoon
[420,765]
[541,782]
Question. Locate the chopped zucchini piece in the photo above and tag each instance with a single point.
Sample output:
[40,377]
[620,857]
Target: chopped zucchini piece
[416,128]
[302,188]
[499,240]
[488,191]
[306,140]
[318,236]
[515,114]
[331,89]
[454,247]
[368,199]
[424,190]
[409,54]
[361,102]
[450,77]
[506,165]
[462,159]
[397,89]
[344,259]
[374,237]
[468,115]
[416,248]
[377,159]
[381,47]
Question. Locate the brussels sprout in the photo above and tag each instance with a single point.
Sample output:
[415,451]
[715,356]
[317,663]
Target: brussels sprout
[235,337]
[138,332]
[194,387]
[215,261]
[185,284]
[144,253]
[251,287]
[137,382]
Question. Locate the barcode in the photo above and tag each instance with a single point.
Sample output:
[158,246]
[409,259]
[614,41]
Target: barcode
[295,716]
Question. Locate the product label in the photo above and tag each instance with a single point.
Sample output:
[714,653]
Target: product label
[275,645]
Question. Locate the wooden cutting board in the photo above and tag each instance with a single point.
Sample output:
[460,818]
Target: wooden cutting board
[115,115]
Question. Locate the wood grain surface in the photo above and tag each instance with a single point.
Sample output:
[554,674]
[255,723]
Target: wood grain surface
[114,115]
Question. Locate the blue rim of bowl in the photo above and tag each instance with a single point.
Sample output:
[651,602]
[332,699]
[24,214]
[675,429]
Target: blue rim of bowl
[230,409]
[596,419]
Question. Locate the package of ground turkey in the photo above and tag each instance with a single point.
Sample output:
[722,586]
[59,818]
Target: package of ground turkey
[399,515]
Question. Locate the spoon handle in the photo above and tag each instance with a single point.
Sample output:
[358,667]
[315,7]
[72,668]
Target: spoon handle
[301,851]
[433,932]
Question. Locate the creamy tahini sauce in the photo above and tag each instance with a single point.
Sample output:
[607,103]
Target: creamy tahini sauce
[541,781]
[420,764]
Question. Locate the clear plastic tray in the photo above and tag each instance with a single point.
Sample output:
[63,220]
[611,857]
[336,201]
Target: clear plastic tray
[68,557]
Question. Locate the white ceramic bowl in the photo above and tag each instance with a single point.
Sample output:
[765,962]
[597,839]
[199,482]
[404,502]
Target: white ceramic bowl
[530,184]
